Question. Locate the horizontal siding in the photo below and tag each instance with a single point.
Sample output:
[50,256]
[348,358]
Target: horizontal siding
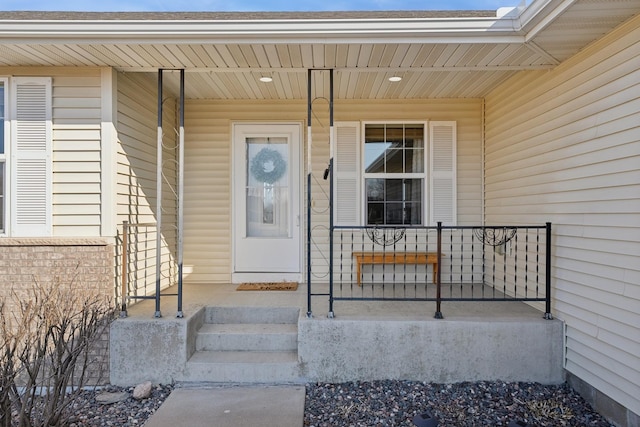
[208,216]
[564,146]
[208,202]
[137,121]
[76,153]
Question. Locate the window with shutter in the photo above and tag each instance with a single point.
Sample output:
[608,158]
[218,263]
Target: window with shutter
[391,183]
[30,158]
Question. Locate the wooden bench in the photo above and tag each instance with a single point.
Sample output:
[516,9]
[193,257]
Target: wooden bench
[414,258]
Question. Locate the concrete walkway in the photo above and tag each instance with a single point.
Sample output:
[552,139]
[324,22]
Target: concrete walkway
[232,406]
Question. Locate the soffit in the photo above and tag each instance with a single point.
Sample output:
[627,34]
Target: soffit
[447,55]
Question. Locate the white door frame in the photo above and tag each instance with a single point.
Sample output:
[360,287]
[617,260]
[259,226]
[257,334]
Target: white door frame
[297,182]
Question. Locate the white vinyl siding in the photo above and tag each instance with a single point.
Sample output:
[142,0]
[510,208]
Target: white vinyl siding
[137,124]
[208,168]
[563,146]
[30,161]
[77,182]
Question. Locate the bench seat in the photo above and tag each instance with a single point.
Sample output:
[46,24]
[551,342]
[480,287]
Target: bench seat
[412,258]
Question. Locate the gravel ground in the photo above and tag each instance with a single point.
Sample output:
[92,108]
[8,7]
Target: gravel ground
[383,403]
[396,403]
[88,412]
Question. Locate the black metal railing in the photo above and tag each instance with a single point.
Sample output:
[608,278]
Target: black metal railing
[443,263]
[144,268]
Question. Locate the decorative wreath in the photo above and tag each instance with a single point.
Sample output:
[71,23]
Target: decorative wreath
[268,166]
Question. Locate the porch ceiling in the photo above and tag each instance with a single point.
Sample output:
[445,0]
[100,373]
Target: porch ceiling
[437,54]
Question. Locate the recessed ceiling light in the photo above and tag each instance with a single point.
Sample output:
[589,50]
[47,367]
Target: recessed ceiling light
[395,78]
[266,79]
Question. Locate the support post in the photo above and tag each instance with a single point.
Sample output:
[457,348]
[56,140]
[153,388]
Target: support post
[180,248]
[159,196]
[331,313]
[547,314]
[309,312]
[125,243]
[438,314]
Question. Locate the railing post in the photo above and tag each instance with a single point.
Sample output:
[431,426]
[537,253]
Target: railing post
[123,295]
[309,312]
[547,314]
[331,314]
[438,314]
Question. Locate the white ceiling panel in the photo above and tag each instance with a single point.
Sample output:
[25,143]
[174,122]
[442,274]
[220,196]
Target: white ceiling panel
[437,54]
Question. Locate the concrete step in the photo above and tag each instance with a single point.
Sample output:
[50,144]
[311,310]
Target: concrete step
[243,367]
[247,337]
[252,315]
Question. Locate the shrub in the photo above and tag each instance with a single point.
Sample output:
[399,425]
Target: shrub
[46,338]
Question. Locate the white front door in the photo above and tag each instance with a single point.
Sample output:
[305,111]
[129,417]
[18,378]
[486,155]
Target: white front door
[266,206]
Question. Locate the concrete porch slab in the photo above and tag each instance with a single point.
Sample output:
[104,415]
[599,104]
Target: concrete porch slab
[232,406]
[481,340]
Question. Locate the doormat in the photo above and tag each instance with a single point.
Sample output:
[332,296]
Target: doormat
[268,286]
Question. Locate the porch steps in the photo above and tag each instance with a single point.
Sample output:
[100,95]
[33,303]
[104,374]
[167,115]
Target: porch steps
[246,345]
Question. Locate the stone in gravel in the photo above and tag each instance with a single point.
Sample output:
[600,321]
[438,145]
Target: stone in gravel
[142,391]
[108,398]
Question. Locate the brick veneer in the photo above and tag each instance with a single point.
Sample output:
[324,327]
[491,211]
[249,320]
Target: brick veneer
[84,262]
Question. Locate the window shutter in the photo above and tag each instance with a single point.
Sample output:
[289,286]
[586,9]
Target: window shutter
[31,157]
[346,173]
[443,173]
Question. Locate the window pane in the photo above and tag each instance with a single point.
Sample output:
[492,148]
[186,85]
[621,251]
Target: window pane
[394,161]
[413,213]
[414,136]
[375,213]
[394,190]
[394,214]
[267,193]
[394,201]
[413,190]
[374,156]
[414,161]
[375,189]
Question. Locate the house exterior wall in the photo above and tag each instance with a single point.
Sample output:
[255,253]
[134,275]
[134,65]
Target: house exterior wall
[564,146]
[76,148]
[87,263]
[76,253]
[208,213]
[137,133]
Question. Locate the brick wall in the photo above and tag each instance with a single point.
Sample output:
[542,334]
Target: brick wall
[85,264]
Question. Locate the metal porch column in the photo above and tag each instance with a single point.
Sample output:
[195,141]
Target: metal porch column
[329,174]
[159,196]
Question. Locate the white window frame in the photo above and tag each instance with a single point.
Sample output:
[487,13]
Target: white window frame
[440,175]
[424,175]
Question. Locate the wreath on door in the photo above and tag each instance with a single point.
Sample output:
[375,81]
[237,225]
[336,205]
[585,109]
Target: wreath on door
[268,166]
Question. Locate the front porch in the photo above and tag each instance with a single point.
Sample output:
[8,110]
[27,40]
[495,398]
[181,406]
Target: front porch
[366,340]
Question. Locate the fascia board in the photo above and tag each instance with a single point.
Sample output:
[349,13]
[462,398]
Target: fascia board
[460,30]
[540,14]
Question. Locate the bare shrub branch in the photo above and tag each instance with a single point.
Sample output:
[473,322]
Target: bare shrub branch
[45,351]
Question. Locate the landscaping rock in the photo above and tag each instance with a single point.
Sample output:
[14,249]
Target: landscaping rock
[142,391]
[109,398]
